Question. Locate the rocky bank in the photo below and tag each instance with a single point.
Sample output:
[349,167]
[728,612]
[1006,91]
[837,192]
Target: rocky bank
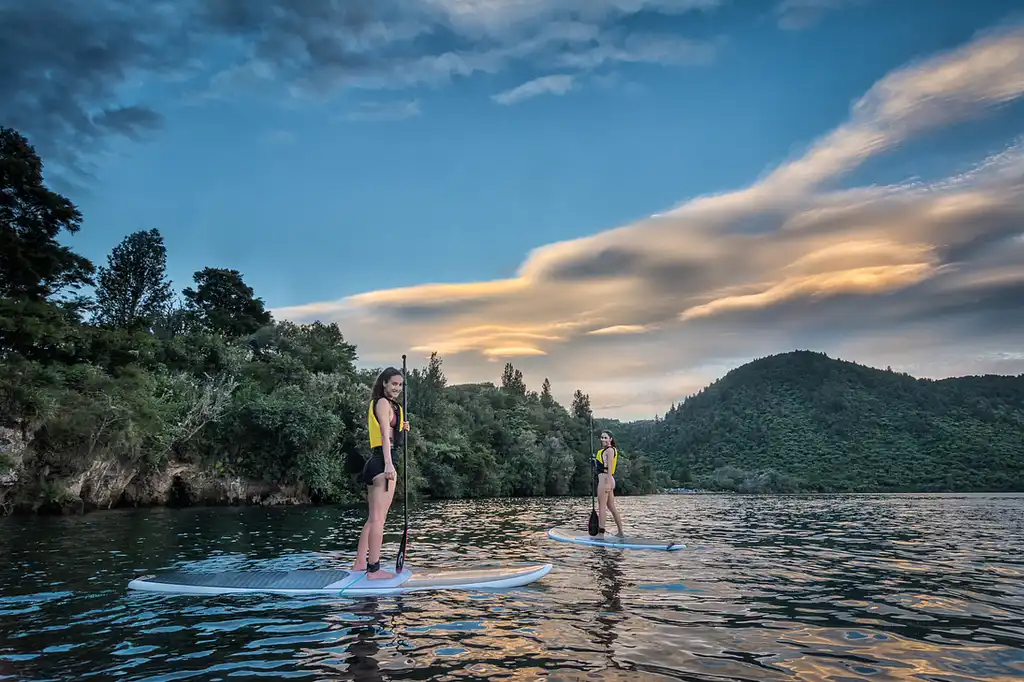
[109,483]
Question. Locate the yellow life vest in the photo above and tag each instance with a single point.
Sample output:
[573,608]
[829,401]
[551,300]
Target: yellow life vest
[608,469]
[374,427]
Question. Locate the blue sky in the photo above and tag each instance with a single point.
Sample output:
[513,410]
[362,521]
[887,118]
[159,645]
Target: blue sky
[401,154]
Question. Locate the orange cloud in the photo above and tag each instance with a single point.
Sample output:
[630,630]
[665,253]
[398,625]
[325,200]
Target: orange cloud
[622,329]
[522,351]
[869,280]
[706,282]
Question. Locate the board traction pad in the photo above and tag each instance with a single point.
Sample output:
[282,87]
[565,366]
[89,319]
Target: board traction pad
[275,580]
[338,580]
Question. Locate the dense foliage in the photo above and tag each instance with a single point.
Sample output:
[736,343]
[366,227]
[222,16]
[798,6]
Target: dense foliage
[132,395]
[804,422]
[114,389]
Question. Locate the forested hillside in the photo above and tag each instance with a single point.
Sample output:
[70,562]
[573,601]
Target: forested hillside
[803,421]
[133,396]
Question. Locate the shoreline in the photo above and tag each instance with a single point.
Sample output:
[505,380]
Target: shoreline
[77,507]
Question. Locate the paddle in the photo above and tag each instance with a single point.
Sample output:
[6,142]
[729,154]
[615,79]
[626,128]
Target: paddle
[592,525]
[400,561]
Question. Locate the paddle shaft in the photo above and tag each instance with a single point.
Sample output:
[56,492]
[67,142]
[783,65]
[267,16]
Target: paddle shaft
[593,524]
[400,560]
[593,478]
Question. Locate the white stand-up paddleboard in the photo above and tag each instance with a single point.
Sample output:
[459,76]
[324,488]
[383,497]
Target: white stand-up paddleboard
[342,583]
[612,540]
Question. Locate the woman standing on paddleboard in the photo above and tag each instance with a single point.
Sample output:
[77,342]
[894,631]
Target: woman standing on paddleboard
[607,458]
[379,472]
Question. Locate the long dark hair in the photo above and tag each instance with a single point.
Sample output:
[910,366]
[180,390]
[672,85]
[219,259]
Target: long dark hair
[378,386]
[611,438]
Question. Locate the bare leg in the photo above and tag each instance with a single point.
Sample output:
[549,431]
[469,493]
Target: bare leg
[380,502]
[364,536]
[364,542]
[602,488]
[615,511]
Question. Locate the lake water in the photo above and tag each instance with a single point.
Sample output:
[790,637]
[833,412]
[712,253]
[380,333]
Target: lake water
[869,587]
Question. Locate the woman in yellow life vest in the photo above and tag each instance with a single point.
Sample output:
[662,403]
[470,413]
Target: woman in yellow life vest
[380,468]
[607,459]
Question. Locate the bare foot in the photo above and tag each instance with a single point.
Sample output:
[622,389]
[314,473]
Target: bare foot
[379,575]
[359,566]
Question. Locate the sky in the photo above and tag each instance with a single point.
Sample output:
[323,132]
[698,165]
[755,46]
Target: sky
[630,197]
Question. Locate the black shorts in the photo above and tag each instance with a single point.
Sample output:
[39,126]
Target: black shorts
[375,465]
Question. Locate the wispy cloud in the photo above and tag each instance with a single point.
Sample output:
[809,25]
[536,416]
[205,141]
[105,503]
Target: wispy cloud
[73,75]
[795,15]
[793,260]
[553,85]
[497,17]
[385,111]
[958,86]
[67,72]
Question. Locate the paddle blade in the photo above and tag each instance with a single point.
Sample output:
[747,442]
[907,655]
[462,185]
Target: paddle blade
[400,559]
[592,522]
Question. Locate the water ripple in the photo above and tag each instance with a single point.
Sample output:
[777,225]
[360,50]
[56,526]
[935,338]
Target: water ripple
[866,587]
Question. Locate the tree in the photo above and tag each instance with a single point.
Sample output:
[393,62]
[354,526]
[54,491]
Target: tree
[435,377]
[426,388]
[512,380]
[223,303]
[132,289]
[170,320]
[37,330]
[581,406]
[33,264]
[546,399]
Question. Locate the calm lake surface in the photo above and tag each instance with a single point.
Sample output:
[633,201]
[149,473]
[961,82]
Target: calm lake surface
[870,587]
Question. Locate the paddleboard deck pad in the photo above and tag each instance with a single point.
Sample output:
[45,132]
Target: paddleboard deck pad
[336,582]
[612,540]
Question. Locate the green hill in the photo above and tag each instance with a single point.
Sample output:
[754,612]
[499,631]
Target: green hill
[804,421]
[114,391]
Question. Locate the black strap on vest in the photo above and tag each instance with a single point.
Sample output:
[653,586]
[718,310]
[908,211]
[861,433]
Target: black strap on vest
[396,430]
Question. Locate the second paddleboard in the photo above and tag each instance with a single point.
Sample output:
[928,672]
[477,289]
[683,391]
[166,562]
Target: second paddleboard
[612,540]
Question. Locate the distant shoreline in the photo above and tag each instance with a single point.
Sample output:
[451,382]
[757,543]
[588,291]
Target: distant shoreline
[81,510]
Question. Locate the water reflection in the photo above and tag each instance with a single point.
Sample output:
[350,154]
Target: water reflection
[360,653]
[605,566]
[845,587]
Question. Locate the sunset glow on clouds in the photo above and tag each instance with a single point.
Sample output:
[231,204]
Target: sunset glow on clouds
[848,174]
[641,315]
